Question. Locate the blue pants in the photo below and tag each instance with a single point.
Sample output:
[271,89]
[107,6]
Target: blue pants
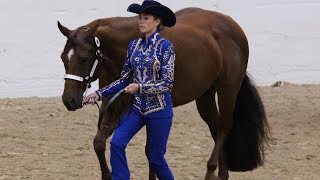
[158,133]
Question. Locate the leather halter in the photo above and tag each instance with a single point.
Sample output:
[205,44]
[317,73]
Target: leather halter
[87,79]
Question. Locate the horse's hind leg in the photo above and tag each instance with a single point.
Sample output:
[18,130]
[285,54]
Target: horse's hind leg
[227,98]
[207,108]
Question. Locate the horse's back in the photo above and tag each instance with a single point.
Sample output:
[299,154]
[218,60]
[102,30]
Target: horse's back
[218,24]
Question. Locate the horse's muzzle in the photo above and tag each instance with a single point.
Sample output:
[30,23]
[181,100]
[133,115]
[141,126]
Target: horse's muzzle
[72,104]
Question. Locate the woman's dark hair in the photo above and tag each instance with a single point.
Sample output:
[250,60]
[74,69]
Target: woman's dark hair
[160,26]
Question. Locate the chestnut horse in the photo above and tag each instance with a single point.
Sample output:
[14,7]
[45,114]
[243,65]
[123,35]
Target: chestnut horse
[211,57]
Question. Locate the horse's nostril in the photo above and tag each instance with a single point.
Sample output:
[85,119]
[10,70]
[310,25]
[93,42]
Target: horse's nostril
[73,101]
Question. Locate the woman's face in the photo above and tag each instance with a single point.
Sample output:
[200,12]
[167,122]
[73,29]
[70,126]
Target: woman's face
[148,23]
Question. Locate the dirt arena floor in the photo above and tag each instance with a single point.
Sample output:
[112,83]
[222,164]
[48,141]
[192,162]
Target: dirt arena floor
[40,139]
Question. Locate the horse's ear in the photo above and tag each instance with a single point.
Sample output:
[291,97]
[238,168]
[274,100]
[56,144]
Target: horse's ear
[65,31]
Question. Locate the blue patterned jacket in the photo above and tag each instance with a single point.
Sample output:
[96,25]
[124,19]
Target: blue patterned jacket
[151,65]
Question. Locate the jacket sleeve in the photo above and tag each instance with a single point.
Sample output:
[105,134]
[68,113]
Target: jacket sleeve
[125,76]
[166,72]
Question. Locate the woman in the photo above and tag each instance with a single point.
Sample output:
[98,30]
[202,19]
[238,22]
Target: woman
[147,75]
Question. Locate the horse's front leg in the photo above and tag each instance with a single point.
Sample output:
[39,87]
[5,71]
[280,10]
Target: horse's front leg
[99,144]
[152,173]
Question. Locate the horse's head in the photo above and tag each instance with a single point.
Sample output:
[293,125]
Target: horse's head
[80,57]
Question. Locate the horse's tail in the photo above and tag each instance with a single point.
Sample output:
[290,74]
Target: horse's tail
[249,135]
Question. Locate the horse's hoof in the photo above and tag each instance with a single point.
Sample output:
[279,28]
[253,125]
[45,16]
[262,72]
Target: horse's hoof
[211,176]
[222,178]
[106,177]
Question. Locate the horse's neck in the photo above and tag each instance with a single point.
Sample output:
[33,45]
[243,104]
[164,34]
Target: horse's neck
[116,34]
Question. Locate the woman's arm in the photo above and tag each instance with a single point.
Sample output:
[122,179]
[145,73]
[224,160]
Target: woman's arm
[125,75]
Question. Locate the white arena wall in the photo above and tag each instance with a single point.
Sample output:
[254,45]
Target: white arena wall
[283,35]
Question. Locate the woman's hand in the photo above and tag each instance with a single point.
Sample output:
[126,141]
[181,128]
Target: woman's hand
[132,88]
[91,98]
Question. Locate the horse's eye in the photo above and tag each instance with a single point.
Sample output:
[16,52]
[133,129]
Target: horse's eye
[86,28]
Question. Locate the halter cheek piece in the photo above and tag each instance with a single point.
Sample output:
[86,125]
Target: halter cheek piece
[87,79]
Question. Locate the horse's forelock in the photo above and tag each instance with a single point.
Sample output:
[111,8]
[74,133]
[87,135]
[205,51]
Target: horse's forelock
[82,35]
